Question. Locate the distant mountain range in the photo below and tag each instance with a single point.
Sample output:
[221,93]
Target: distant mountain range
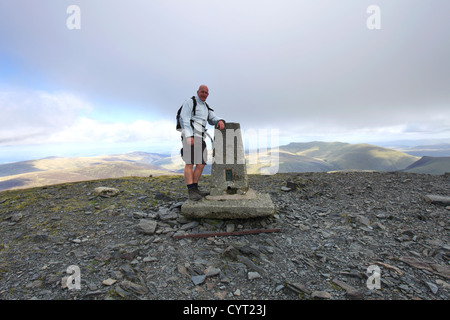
[335,156]
[430,165]
[55,170]
[435,150]
[294,157]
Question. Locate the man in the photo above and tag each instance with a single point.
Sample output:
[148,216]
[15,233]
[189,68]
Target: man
[193,129]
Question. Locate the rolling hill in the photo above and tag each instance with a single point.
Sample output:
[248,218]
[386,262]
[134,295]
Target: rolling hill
[54,170]
[334,156]
[430,165]
[294,157]
[431,150]
[11,169]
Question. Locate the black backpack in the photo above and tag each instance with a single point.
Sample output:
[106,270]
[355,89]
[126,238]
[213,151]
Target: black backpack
[193,111]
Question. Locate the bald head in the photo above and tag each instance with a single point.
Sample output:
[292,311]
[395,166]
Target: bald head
[203,92]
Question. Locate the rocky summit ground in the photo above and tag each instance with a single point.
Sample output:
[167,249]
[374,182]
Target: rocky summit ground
[333,227]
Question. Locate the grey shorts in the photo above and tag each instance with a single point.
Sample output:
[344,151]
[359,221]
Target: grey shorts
[196,154]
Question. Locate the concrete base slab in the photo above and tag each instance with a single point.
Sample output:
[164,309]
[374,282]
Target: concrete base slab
[249,195]
[256,205]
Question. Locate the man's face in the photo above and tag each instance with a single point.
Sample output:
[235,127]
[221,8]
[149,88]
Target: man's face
[203,93]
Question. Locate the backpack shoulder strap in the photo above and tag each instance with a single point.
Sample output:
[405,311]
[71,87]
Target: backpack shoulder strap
[208,107]
[195,104]
[193,109]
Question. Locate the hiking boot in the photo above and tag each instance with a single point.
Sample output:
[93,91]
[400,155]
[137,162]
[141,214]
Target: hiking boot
[194,194]
[202,193]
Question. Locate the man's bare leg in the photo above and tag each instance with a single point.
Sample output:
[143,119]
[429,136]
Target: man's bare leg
[189,174]
[197,172]
[192,175]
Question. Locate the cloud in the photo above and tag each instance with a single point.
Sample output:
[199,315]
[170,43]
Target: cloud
[87,130]
[37,117]
[32,116]
[310,66]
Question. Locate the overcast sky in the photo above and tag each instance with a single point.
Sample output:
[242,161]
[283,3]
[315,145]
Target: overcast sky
[313,70]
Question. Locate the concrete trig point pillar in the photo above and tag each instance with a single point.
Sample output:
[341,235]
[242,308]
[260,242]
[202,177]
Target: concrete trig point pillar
[230,196]
[229,171]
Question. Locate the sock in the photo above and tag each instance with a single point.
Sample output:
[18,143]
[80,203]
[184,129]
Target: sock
[190,186]
[195,185]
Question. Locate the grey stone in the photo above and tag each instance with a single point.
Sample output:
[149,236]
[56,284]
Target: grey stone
[41,238]
[231,252]
[133,287]
[189,225]
[139,215]
[166,214]
[298,288]
[197,280]
[352,293]
[230,227]
[146,226]
[212,271]
[442,200]
[253,275]
[16,217]
[432,286]
[279,288]
[250,264]
[106,192]
[321,295]
[364,220]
